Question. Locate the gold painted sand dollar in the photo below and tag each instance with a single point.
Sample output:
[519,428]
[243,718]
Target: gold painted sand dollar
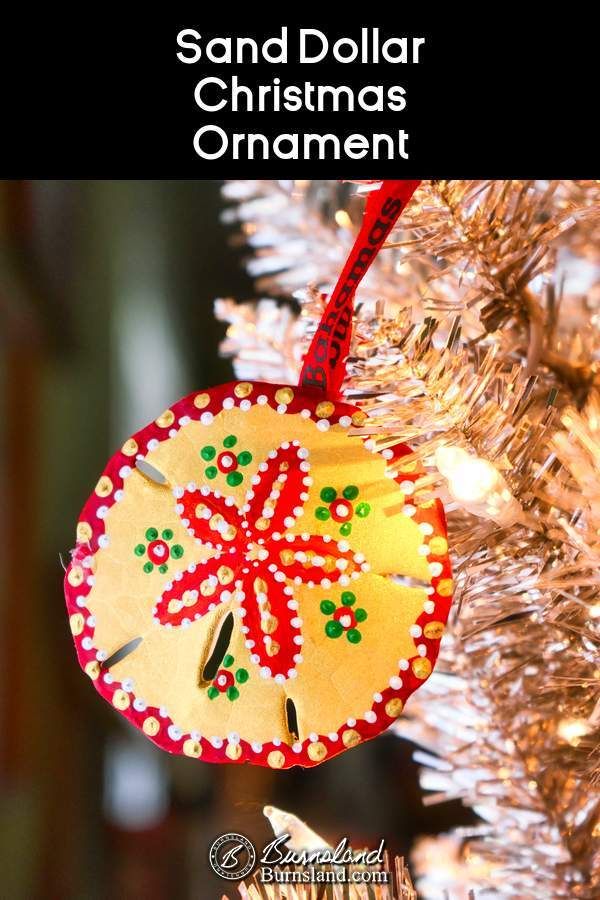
[254,583]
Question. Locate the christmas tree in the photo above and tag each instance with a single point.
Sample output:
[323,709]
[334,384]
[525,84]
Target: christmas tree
[476,341]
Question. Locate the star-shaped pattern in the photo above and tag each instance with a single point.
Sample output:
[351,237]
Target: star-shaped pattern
[256,559]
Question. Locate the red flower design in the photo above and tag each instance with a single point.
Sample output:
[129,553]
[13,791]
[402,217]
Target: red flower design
[223,680]
[257,560]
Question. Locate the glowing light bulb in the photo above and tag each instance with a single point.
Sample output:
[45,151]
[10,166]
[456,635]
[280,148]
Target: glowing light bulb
[343,219]
[572,730]
[301,837]
[473,480]
[477,485]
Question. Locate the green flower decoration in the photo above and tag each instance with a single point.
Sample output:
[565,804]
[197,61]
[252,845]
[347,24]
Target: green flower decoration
[343,619]
[227,461]
[158,550]
[342,509]
[225,680]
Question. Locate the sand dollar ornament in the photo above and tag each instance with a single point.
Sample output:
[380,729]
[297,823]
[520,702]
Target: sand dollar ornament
[252,581]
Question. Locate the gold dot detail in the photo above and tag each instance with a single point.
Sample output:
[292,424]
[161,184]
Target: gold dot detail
[438,546]
[92,669]
[151,726]
[286,557]
[233,751]
[225,574]
[393,707]
[166,419]
[273,648]
[350,738]
[75,576]
[84,532]
[359,417]
[77,623]
[243,389]
[201,401]
[206,588]
[260,586]
[269,625]
[262,524]
[324,409]
[104,486]
[190,747]
[276,759]
[421,667]
[120,699]
[410,466]
[317,751]
[284,395]
[433,630]
[445,587]
[130,447]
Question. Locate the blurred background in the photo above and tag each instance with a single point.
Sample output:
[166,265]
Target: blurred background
[106,295]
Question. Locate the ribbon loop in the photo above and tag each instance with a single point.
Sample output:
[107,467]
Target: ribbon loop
[324,365]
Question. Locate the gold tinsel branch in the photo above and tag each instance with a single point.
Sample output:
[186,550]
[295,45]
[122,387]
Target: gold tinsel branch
[489,370]
[299,231]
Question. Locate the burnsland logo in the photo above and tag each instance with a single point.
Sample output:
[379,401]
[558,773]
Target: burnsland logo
[276,853]
[340,865]
[232,856]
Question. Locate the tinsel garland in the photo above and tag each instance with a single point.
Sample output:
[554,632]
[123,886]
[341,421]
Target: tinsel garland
[477,341]
[300,233]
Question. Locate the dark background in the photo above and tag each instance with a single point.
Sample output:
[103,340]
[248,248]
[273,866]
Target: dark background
[106,293]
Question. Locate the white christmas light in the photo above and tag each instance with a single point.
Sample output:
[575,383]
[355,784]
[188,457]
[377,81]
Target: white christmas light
[572,730]
[477,485]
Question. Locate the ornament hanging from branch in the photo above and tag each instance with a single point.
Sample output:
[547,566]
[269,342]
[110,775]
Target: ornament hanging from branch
[252,582]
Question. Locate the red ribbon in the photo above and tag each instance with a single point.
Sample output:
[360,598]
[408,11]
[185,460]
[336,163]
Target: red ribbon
[324,365]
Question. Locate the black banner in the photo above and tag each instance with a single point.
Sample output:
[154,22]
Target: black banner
[190,98]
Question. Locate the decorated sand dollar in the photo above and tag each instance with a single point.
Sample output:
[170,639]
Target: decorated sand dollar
[256,579]
[258,584]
